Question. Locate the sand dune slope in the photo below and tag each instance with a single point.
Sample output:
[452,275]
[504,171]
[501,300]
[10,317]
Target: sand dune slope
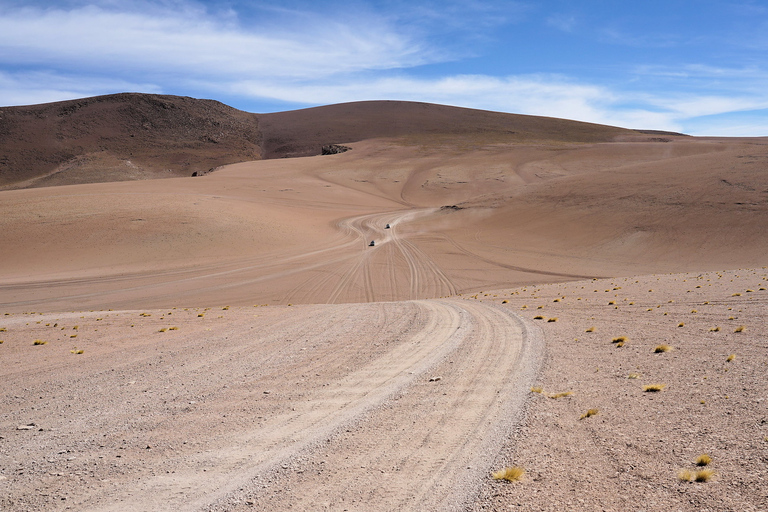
[297,231]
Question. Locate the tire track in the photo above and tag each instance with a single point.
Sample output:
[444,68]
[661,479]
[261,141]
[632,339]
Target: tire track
[432,444]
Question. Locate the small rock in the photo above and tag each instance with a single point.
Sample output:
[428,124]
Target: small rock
[435,379]
[30,426]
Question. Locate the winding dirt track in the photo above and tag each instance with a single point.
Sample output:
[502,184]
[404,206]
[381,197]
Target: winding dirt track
[343,269]
[313,407]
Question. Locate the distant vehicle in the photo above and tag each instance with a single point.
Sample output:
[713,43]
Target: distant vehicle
[373,242]
[387,226]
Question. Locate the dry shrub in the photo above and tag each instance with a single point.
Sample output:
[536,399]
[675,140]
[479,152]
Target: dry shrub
[40,342]
[553,319]
[591,329]
[654,388]
[740,328]
[703,460]
[511,474]
[704,475]
[537,389]
[562,394]
[730,358]
[589,413]
[662,348]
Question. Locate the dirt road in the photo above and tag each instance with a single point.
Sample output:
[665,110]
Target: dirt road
[376,406]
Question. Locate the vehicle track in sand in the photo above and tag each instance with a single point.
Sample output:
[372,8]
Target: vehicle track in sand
[345,269]
[348,386]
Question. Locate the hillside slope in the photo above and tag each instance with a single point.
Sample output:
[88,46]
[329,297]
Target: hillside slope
[121,137]
[128,136]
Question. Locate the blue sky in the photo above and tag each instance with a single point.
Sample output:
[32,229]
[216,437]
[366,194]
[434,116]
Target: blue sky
[697,66]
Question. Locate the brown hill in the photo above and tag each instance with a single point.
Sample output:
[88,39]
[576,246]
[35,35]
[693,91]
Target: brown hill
[121,137]
[304,132]
[127,136]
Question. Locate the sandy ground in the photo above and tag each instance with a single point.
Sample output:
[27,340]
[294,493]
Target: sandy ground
[243,347]
[628,456]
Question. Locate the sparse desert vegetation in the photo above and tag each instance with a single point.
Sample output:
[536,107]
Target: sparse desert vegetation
[509,474]
[248,385]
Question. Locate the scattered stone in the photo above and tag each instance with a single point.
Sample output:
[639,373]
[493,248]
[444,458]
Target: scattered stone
[334,149]
[30,426]
[435,379]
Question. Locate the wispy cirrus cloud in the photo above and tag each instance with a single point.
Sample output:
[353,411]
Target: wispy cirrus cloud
[195,42]
[487,54]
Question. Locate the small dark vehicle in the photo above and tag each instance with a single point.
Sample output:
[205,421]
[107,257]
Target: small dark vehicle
[387,226]
[373,242]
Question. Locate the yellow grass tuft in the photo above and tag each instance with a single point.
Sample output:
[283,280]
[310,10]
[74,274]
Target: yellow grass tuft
[662,348]
[505,301]
[731,358]
[591,329]
[511,474]
[162,329]
[3,329]
[538,317]
[562,394]
[200,315]
[740,328]
[714,329]
[685,475]
[537,389]
[654,388]
[633,375]
[40,342]
[589,413]
[553,319]
[736,295]
[703,460]
[174,328]
[681,324]
[619,339]
[76,351]
[704,475]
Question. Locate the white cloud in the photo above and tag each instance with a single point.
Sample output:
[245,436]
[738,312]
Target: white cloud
[31,88]
[196,43]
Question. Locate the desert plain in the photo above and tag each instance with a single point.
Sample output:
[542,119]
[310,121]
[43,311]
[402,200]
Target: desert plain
[233,341]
